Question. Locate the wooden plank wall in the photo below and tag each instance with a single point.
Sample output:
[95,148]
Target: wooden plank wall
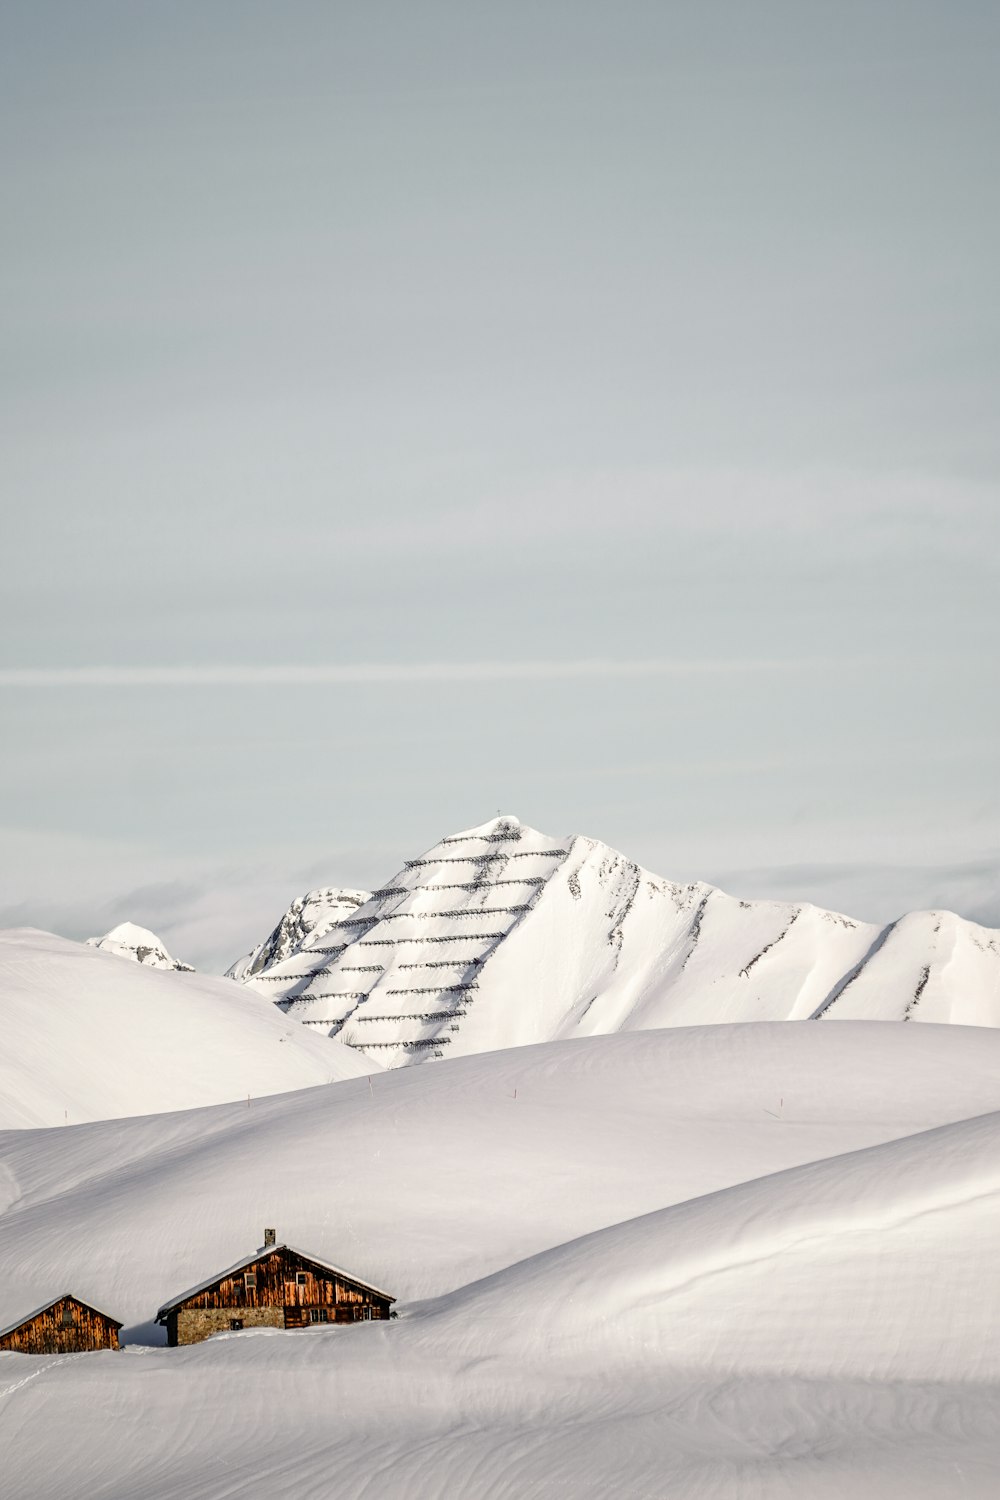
[47,1333]
[276,1284]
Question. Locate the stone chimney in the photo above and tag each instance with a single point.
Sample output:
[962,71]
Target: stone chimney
[270,1239]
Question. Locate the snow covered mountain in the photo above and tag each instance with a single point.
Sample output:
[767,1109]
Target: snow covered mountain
[87,1037]
[501,936]
[307,920]
[139,944]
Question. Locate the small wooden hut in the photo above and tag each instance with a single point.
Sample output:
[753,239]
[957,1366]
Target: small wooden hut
[65,1326]
[277,1287]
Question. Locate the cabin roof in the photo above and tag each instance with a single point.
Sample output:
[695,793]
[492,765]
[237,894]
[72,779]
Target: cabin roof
[47,1306]
[257,1255]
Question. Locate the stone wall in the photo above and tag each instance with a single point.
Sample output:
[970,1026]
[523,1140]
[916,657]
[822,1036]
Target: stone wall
[197,1323]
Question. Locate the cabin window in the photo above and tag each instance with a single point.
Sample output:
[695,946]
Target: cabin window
[251,1281]
[362,1314]
[301,1279]
[319,1315]
[67,1317]
[236,1325]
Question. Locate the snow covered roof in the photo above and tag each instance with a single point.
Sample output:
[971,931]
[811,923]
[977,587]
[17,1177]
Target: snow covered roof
[258,1255]
[63,1297]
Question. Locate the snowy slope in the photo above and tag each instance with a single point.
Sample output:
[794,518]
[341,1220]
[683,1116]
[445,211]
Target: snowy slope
[88,1037]
[847,1265]
[760,1263]
[501,936]
[404,1411]
[307,920]
[424,1179]
[138,944]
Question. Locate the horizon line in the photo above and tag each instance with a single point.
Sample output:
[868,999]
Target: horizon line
[298,675]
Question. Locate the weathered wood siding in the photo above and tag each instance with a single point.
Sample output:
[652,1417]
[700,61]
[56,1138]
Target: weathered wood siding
[279,1290]
[67,1327]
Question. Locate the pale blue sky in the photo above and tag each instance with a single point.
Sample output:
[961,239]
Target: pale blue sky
[426,335]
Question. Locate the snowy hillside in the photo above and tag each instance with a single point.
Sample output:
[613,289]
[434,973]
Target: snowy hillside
[139,944]
[425,1179]
[721,1262]
[87,1037]
[825,1263]
[501,935]
[307,920]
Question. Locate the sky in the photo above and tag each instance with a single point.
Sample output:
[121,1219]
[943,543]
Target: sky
[412,411]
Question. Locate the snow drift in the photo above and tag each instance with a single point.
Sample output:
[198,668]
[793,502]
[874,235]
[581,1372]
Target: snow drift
[87,1037]
[718,1263]
[422,1180]
[820,1270]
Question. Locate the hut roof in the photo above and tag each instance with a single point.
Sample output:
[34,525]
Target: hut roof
[257,1255]
[46,1306]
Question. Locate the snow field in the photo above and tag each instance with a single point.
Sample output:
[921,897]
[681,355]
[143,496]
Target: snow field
[423,1180]
[89,1035]
[633,1257]
[385,1412]
[717,1263]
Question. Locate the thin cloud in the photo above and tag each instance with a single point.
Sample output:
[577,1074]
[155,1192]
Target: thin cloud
[385,672]
[849,511]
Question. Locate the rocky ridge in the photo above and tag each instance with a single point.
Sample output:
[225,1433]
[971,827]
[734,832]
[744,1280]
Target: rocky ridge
[500,936]
[128,940]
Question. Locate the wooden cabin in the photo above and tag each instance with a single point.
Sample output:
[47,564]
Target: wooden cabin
[65,1326]
[277,1287]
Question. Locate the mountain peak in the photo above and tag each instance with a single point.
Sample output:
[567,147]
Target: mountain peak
[306,921]
[129,940]
[500,935]
[503,827]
